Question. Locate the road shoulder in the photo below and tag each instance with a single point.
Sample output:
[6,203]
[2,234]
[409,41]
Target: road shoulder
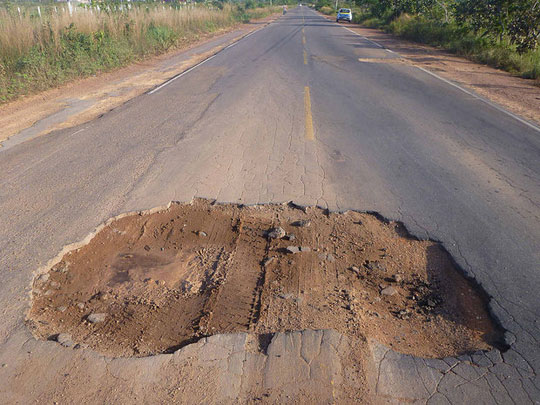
[83,100]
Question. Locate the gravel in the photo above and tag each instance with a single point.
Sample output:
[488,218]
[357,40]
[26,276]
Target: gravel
[65,339]
[276,233]
[388,291]
[96,318]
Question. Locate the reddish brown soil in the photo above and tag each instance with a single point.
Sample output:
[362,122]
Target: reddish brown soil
[167,278]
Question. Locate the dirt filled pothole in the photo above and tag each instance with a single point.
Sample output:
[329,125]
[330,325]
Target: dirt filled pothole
[151,283]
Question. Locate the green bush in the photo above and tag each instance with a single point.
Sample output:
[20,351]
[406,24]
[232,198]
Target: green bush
[327,10]
[163,37]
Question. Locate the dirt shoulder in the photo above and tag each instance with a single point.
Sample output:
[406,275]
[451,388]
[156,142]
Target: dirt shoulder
[82,100]
[520,96]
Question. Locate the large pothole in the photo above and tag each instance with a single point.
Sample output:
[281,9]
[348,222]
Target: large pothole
[151,283]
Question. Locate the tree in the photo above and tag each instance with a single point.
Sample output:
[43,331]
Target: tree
[524,28]
[491,16]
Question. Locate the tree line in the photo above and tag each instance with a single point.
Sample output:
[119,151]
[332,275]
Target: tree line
[516,20]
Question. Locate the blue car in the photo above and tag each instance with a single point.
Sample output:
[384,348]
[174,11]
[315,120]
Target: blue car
[344,14]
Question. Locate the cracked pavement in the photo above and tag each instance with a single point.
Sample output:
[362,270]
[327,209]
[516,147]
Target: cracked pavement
[389,138]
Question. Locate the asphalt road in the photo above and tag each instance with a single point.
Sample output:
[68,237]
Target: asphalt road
[296,111]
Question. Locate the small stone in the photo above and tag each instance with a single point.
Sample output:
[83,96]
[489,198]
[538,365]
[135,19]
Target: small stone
[397,278]
[147,248]
[268,260]
[55,285]
[276,233]
[43,278]
[355,269]
[293,249]
[202,233]
[302,223]
[404,314]
[96,318]
[64,339]
[4,364]
[291,236]
[330,257]
[80,305]
[509,338]
[374,265]
[388,291]
[61,309]
[305,249]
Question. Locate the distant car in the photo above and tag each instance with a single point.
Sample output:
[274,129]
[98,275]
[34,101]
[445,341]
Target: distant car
[344,14]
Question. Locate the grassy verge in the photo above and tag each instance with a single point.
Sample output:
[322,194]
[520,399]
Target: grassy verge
[327,10]
[460,41]
[40,51]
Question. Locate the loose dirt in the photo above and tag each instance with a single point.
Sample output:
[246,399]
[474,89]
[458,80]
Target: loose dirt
[152,283]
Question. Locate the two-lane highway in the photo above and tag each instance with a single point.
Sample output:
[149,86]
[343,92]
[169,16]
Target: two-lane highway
[305,110]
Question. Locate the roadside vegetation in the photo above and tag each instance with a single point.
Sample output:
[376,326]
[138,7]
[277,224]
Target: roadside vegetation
[501,33]
[45,45]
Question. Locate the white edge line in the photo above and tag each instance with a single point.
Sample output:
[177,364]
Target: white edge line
[476,96]
[181,74]
[363,37]
[201,62]
[79,131]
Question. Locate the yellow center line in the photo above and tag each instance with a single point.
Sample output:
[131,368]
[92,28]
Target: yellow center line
[305,58]
[303,40]
[309,118]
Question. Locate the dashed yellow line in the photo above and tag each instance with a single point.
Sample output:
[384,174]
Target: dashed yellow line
[309,118]
[305,58]
[303,40]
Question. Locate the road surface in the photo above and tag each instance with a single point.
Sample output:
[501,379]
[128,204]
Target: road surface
[304,110]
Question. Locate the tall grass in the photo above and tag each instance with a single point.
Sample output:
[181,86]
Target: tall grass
[37,53]
[327,10]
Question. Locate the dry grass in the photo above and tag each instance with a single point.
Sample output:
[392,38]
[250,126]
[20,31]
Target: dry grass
[40,52]
[18,34]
